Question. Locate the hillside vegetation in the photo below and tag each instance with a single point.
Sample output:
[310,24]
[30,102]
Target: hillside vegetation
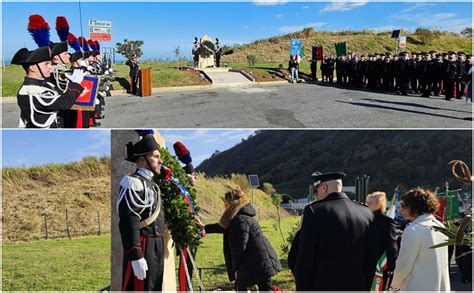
[83,188]
[277,49]
[287,158]
[210,191]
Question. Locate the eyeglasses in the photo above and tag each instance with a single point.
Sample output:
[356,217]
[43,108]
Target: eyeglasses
[318,185]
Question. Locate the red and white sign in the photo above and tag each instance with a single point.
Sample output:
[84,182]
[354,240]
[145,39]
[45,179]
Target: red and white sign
[403,42]
[100,30]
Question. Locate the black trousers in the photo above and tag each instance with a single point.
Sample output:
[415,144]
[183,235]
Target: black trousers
[153,255]
[460,87]
[449,88]
[134,85]
[264,286]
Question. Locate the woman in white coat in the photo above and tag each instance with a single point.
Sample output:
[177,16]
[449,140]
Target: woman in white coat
[419,267]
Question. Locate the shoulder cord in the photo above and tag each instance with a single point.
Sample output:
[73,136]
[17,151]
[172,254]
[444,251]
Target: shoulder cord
[51,94]
[147,202]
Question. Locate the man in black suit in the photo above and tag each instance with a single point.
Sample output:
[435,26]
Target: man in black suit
[333,251]
[451,69]
[461,77]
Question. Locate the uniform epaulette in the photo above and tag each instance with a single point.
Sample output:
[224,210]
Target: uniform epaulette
[129,182]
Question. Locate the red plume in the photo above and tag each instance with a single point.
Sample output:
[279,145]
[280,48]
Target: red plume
[61,22]
[36,21]
[180,149]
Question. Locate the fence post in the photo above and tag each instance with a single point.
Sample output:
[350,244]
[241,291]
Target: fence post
[67,226]
[98,220]
[46,225]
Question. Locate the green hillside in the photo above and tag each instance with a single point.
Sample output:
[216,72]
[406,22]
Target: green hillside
[276,49]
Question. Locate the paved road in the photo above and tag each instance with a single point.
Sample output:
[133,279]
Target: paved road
[277,106]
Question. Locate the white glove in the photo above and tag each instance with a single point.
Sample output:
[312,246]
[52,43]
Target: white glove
[139,268]
[77,76]
[83,63]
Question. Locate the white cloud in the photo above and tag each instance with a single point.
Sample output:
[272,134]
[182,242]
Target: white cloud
[295,28]
[443,21]
[344,5]
[416,6]
[269,2]
[305,7]
[279,15]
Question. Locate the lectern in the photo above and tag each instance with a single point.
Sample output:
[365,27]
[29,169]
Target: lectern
[145,82]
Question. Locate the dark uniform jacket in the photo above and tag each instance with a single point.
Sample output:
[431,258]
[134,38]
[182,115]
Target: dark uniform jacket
[129,223]
[40,101]
[451,70]
[333,251]
[385,240]
[134,68]
[246,249]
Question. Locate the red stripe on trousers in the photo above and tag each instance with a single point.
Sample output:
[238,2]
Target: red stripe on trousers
[182,273]
[138,285]
[79,119]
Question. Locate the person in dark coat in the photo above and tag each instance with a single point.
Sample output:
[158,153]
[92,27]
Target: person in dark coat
[334,242]
[385,233]
[314,65]
[438,73]
[249,256]
[134,65]
[141,219]
[387,74]
[403,74]
[461,76]
[330,68]
[451,68]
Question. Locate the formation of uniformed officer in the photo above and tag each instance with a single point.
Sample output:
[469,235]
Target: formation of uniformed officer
[141,219]
[41,97]
[335,235]
[54,76]
[425,73]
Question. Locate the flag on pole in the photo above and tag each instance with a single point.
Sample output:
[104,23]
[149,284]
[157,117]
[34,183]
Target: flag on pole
[377,283]
[393,205]
[452,204]
[341,49]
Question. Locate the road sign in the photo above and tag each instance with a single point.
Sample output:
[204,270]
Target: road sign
[403,42]
[100,30]
[253,180]
[100,23]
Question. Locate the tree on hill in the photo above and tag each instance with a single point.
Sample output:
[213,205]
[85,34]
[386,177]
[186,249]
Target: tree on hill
[129,48]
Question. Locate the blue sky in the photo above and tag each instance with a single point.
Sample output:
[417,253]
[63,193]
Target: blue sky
[38,147]
[202,143]
[32,147]
[163,26]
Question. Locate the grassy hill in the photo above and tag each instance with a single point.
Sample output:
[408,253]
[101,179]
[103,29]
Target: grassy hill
[286,158]
[210,191]
[276,49]
[83,188]
[269,53]
[164,74]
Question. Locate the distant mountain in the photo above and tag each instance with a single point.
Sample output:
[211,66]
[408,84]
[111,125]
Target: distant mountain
[286,158]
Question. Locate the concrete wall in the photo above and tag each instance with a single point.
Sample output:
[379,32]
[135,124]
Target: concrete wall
[119,168]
